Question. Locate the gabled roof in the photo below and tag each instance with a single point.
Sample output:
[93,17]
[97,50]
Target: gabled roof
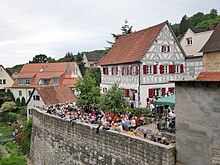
[209,76]
[198,30]
[6,72]
[55,94]
[213,44]
[132,47]
[37,71]
[94,56]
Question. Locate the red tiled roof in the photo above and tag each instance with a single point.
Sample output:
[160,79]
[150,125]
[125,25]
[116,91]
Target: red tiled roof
[209,76]
[37,71]
[131,47]
[55,94]
[70,82]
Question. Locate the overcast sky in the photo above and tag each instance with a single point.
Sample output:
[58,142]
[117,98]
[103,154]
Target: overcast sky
[53,27]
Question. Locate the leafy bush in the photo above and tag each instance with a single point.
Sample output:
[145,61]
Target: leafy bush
[9,116]
[12,148]
[8,106]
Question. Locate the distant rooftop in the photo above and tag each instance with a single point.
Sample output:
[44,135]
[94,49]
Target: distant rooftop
[94,56]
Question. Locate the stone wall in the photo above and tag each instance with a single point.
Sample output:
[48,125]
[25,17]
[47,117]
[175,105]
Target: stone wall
[57,142]
[198,122]
[211,61]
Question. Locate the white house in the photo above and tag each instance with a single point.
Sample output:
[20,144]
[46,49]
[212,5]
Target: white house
[6,80]
[192,42]
[143,63]
[43,96]
[45,74]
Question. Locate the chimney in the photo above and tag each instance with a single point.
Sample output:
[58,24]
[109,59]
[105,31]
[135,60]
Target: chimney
[212,26]
[68,68]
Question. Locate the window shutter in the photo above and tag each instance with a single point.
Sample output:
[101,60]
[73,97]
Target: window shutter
[122,71]
[135,91]
[116,70]
[112,70]
[144,69]
[103,70]
[171,69]
[181,68]
[162,49]
[136,69]
[131,70]
[170,90]
[168,48]
[150,93]
[106,70]
[163,91]
[127,92]
[127,70]
[155,69]
[161,69]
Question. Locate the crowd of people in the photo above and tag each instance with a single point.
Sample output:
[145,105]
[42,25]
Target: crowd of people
[102,120]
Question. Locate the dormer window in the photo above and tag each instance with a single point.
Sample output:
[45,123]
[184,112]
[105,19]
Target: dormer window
[24,82]
[189,41]
[165,48]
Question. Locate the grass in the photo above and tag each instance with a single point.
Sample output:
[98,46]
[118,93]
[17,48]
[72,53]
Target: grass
[5,130]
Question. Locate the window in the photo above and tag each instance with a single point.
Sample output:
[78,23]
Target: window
[176,68]
[24,82]
[104,90]
[75,70]
[125,71]
[166,69]
[0,81]
[20,93]
[149,69]
[189,41]
[156,92]
[165,48]
[36,97]
[29,93]
[4,81]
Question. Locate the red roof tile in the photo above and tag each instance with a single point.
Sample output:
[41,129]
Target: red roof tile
[132,47]
[39,71]
[209,76]
[55,94]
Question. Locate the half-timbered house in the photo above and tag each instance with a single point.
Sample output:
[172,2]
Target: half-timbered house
[143,63]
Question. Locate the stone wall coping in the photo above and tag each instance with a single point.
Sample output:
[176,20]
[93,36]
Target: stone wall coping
[114,132]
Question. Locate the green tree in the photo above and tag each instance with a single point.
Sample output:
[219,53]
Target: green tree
[23,101]
[79,60]
[18,102]
[184,25]
[213,14]
[69,57]
[9,96]
[96,73]
[113,100]
[42,58]
[125,29]
[89,91]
